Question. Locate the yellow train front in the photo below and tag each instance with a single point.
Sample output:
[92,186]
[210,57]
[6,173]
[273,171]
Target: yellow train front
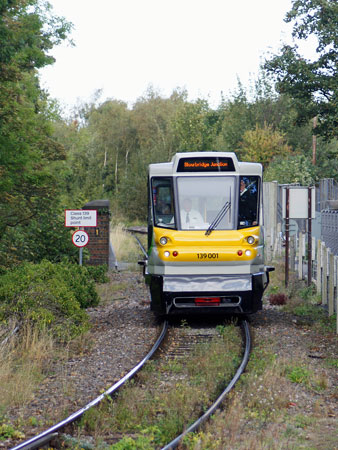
[205,235]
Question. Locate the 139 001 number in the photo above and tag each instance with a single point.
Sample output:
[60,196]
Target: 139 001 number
[207,255]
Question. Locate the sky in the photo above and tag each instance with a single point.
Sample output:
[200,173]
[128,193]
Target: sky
[124,46]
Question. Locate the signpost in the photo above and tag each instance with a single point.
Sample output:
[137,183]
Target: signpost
[80,218]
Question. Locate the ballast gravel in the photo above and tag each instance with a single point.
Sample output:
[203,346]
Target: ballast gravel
[123,331]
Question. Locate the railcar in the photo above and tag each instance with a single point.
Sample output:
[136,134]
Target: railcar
[205,235]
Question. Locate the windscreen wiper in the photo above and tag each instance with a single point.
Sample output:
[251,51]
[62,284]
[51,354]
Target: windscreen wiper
[218,218]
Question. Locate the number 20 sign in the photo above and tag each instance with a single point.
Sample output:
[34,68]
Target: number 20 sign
[80,238]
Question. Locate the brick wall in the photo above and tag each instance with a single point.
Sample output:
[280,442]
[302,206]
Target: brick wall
[98,245]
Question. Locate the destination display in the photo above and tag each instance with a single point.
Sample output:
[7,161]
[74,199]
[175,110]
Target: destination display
[205,164]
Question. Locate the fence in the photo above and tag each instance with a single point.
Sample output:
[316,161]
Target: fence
[324,252]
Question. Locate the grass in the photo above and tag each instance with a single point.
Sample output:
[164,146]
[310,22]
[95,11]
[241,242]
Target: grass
[299,299]
[264,412]
[23,360]
[124,244]
[167,395]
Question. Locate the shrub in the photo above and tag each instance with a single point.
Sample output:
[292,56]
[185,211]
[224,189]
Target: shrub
[278,299]
[50,295]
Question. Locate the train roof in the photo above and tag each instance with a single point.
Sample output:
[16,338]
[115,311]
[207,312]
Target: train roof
[217,163]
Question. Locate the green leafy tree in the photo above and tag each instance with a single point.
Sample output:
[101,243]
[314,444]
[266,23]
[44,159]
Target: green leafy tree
[313,85]
[263,144]
[28,31]
[196,127]
[291,169]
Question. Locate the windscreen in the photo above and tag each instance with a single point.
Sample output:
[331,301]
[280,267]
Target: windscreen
[201,200]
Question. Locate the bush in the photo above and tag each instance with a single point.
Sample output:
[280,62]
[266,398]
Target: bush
[98,273]
[50,295]
[278,299]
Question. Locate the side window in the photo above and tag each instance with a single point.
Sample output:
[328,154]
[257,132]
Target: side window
[163,202]
[248,207]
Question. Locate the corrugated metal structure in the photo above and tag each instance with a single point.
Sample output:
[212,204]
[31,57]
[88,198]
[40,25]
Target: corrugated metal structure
[328,190]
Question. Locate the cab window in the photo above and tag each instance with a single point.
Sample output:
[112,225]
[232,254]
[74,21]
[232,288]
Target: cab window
[163,202]
[248,211]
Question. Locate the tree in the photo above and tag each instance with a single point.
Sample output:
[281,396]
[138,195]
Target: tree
[262,144]
[27,151]
[313,85]
[196,127]
[291,169]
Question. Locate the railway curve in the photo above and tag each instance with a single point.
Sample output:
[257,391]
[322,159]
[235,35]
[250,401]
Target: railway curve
[51,433]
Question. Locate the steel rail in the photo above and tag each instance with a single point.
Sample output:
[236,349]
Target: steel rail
[193,427]
[49,434]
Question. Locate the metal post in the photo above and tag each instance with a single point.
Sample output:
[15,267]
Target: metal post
[287,221]
[80,251]
[309,238]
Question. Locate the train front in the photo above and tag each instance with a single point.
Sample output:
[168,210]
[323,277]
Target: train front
[205,235]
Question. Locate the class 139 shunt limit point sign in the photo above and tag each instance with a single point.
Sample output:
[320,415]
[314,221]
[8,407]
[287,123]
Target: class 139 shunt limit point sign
[80,218]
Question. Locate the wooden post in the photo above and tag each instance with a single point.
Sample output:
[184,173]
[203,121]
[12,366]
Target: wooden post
[336,290]
[324,280]
[331,284]
[292,253]
[319,266]
[300,255]
[287,221]
[309,238]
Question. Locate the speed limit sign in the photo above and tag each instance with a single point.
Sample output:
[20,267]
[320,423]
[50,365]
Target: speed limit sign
[80,238]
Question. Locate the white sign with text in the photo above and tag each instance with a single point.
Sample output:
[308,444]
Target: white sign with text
[80,218]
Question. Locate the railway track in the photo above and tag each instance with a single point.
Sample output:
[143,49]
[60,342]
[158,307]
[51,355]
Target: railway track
[52,432]
[173,346]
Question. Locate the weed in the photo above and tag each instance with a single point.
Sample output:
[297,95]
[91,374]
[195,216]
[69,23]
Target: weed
[8,431]
[332,362]
[170,403]
[297,374]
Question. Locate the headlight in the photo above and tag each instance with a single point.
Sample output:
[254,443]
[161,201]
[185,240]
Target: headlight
[248,252]
[163,240]
[251,240]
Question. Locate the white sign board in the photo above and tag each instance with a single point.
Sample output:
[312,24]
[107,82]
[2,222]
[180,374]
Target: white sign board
[80,218]
[80,238]
[298,202]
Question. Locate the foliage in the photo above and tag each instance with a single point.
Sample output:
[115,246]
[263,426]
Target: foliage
[28,31]
[195,126]
[44,237]
[8,431]
[50,295]
[291,169]
[262,144]
[312,84]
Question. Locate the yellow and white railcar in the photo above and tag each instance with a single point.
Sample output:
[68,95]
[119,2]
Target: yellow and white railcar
[205,235]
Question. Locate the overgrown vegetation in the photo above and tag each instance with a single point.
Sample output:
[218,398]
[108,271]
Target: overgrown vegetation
[152,411]
[298,299]
[51,296]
